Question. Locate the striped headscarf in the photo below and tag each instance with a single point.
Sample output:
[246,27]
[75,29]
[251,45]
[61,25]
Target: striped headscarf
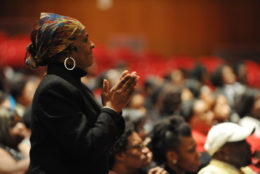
[53,35]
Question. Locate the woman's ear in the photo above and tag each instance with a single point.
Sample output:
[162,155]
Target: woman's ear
[172,157]
[121,156]
[73,48]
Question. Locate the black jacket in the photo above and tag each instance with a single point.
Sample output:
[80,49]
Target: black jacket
[70,131]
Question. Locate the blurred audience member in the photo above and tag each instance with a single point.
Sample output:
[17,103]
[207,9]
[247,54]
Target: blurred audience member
[221,109]
[240,70]
[224,79]
[249,109]
[22,89]
[14,157]
[169,101]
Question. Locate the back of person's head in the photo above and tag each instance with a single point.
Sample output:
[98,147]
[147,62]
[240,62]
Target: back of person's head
[244,104]
[240,71]
[227,142]
[216,77]
[194,86]
[186,109]
[199,72]
[136,117]
[52,36]
[169,100]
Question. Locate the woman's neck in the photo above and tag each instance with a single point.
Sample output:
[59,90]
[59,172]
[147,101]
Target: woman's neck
[122,169]
[175,168]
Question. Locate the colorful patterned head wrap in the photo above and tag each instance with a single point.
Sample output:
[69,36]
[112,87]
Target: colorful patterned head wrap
[54,34]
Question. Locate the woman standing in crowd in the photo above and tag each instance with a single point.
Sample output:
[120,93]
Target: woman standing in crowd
[71,133]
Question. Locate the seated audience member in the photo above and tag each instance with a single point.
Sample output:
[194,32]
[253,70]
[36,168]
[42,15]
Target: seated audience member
[4,100]
[130,155]
[248,107]
[224,79]
[174,147]
[137,103]
[14,157]
[169,101]
[26,119]
[136,113]
[22,89]
[221,109]
[200,117]
[226,143]
[139,121]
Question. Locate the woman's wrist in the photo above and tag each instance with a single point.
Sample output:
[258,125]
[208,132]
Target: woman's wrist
[110,106]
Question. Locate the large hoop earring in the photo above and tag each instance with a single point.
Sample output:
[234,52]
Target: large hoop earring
[65,63]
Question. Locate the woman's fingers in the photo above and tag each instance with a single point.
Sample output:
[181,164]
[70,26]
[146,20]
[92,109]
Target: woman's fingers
[105,92]
[106,86]
[125,72]
[128,78]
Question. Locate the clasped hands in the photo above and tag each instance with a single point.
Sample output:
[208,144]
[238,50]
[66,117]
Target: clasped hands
[119,95]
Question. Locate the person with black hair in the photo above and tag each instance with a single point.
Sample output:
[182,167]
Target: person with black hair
[130,155]
[14,157]
[225,81]
[173,146]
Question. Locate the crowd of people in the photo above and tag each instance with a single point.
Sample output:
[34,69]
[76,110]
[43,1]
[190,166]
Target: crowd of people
[72,120]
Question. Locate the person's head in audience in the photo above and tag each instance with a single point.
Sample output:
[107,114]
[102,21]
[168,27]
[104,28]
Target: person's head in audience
[226,143]
[176,77]
[223,75]
[4,100]
[249,103]
[169,100]
[138,119]
[22,87]
[173,145]
[11,128]
[207,94]
[199,115]
[221,108]
[129,154]
[240,71]
[137,103]
[199,73]
[194,86]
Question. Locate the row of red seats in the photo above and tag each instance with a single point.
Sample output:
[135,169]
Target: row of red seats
[146,63]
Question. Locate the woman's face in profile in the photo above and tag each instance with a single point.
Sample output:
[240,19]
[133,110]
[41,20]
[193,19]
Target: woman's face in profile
[83,51]
[188,157]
